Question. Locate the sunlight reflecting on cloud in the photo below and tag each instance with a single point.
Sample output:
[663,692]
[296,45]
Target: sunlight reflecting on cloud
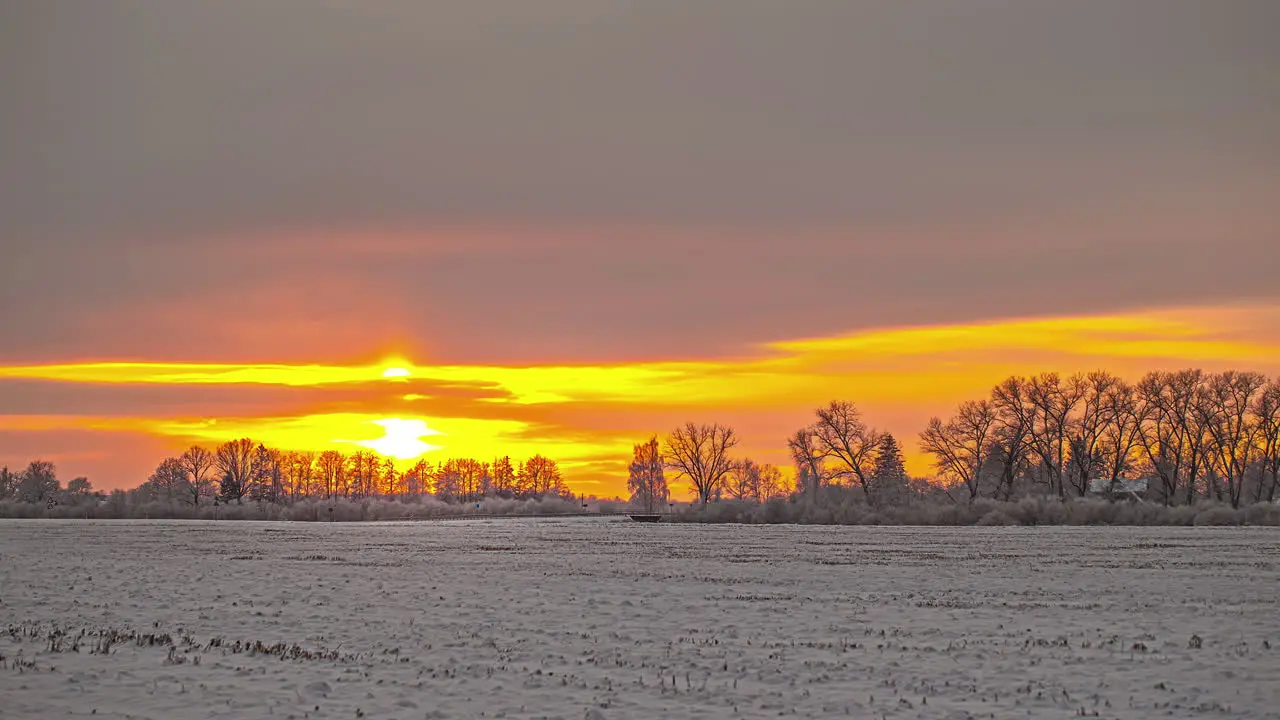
[583,414]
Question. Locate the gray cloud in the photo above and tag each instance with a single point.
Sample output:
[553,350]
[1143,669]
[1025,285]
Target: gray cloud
[724,172]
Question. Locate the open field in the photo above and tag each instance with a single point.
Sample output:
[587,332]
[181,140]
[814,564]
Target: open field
[612,619]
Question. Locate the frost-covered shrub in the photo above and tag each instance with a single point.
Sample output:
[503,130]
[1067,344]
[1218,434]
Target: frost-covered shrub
[952,515]
[1141,514]
[14,509]
[845,514]
[1184,515]
[1049,511]
[913,514]
[777,511]
[1090,512]
[982,506]
[1262,514]
[1218,515]
[833,506]
[1028,511]
[696,512]
[996,518]
[726,512]
[871,518]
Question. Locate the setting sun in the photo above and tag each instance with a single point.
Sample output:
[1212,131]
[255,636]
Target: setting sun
[402,439]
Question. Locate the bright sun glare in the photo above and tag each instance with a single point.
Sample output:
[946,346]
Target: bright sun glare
[395,372]
[402,439]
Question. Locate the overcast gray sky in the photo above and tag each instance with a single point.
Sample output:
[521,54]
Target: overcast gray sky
[522,181]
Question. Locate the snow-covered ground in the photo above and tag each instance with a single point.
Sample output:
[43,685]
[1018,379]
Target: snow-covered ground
[605,618]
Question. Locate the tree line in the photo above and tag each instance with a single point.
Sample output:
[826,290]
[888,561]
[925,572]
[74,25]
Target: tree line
[1192,435]
[38,484]
[242,470]
[700,455]
[838,449]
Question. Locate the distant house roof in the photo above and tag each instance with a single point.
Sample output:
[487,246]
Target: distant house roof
[1122,485]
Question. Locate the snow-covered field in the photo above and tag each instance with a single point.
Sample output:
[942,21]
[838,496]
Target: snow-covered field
[602,618]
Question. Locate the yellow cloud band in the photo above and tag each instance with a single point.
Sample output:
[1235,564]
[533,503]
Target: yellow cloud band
[894,373]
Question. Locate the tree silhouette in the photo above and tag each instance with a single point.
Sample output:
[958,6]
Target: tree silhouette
[700,453]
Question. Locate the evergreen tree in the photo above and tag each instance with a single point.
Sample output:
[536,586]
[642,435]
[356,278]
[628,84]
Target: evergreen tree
[230,488]
[889,473]
[503,477]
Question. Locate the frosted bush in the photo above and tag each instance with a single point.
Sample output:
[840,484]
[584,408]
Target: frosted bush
[1218,515]
[1262,514]
[996,518]
[848,508]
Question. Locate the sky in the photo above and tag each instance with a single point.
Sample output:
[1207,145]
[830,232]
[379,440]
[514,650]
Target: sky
[574,223]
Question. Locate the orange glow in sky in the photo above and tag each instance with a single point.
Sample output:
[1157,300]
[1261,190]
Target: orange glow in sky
[587,416]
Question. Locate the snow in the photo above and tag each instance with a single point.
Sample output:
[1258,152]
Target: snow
[606,619]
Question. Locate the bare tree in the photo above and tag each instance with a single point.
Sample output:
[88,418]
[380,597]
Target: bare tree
[389,478]
[1122,432]
[1166,402]
[1041,407]
[469,475]
[743,481]
[772,483]
[1267,411]
[1226,408]
[235,460]
[331,468]
[169,480]
[540,476]
[417,479]
[1011,435]
[199,464]
[299,471]
[701,454]
[503,477]
[645,477]
[38,483]
[1200,478]
[808,460]
[8,483]
[448,481]
[1054,402]
[1087,429]
[848,443]
[363,473]
[962,446]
